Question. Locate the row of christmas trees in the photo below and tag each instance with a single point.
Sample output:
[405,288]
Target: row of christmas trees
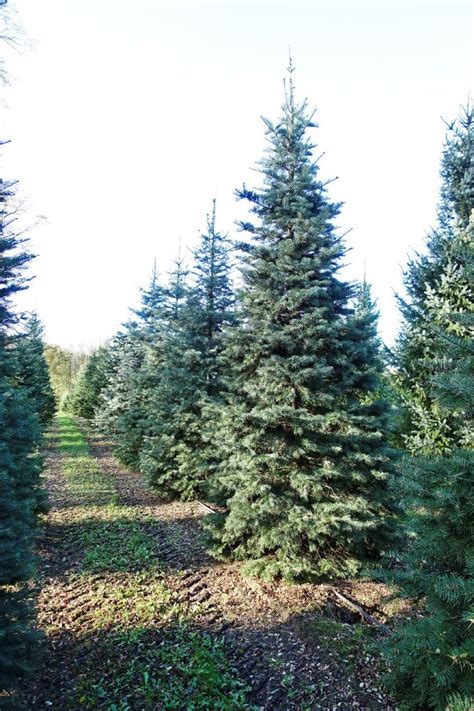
[26,407]
[275,402]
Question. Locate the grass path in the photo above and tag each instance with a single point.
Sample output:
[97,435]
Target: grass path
[116,637]
[136,616]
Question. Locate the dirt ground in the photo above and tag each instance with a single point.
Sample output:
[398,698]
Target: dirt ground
[294,646]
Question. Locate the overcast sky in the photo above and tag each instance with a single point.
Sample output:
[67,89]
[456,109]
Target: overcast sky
[128,117]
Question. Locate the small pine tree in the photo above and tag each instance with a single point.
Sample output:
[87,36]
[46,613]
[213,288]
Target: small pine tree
[175,455]
[131,392]
[304,469]
[132,374]
[32,371]
[120,411]
[91,380]
[141,371]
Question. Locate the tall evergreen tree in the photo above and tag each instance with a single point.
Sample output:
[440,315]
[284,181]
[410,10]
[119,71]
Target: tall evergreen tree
[32,371]
[304,472]
[213,299]
[431,657]
[176,455]
[19,465]
[145,335]
[429,276]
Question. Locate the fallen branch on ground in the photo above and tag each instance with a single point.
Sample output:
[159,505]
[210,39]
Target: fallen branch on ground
[365,615]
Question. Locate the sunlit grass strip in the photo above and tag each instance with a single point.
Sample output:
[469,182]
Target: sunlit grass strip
[150,657]
[117,543]
[70,439]
[112,538]
[83,473]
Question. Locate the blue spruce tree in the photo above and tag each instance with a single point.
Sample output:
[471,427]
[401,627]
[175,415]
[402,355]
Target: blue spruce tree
[177,453]
[304,473]
[431,656]
[20,466]
[32,371]
[133,373]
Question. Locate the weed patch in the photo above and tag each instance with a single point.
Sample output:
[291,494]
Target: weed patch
[180,669]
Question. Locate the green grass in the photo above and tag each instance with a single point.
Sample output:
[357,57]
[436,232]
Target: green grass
[112,537]
[86,480]
[183,669]
[117,544]
[138,601]
[145,653]
[70,439]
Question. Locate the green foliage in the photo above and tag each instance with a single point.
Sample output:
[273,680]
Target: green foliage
[304,472]
[432,657]
[91,380]
[436,285]
[182,669]
[20,469]
[133,370]
[176,456]
[63,367]
[20,466]
[32,372]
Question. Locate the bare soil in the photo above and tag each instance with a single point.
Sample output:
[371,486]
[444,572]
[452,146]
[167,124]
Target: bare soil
[267,627]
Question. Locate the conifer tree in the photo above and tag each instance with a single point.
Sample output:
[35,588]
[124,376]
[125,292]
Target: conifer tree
[431,656]
[132,375]
[213,299]
[110,398]
[32,371]
[304,469]
[143,366]
[176,454]
[126,395]
[90,381]
[19,464]
[432,275]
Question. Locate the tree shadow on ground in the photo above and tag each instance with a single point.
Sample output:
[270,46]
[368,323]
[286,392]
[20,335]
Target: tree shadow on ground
[176,666]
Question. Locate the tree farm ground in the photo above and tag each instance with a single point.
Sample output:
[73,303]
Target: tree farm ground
[135,614]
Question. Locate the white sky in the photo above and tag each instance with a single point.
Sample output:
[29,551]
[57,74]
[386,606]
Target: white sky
[128,117]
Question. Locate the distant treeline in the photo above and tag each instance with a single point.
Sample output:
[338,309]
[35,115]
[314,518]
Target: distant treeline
[64,365]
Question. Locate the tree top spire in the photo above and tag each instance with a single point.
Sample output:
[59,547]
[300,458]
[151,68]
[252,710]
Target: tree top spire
[290,87]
